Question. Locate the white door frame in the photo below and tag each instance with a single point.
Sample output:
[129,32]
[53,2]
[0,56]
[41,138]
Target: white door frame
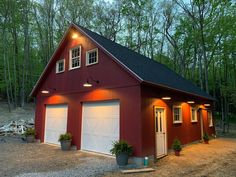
[165,128]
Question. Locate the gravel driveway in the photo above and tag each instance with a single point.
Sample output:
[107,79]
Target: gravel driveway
[217,159]
[28,160]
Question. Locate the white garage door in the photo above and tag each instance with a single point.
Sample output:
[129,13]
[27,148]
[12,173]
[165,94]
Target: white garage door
[100,126]
[55,123]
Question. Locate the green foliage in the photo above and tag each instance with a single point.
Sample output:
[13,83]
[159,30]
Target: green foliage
[177,145]
[121,146]
[206,136]
[30,132]
[66,136]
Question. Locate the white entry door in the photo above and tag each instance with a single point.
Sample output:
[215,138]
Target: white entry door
[55,123]
[160,132]
[100,126]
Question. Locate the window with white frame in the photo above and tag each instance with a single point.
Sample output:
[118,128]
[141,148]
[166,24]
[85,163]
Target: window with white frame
[193,114]
[60,66]
[210,120]
[92,57]
[75,57]
[177,114]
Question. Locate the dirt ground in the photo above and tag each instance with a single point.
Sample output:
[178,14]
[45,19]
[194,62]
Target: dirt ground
[20,159]
[26,113]
[216,159]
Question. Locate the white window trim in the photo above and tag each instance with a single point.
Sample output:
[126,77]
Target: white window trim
[180,115]
[70,58]
[210,121]
[191,113]
[57,66]
[87,59]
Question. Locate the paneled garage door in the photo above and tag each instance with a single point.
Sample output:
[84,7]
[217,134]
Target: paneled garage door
[55,123]
[100,126]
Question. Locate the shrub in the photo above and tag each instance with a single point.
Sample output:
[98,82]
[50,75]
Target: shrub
[177,145]
[30,132]
[121,146]
[206,136]
[65,136]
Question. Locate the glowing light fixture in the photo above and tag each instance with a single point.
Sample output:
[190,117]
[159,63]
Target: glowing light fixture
[74,36]
[166,98]
[190,102]
[87,84]
[45,91]
[207,105]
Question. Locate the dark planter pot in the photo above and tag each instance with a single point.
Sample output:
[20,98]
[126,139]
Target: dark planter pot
[65,145]
[177,153]
[30,138]
[122,158]
[206,141]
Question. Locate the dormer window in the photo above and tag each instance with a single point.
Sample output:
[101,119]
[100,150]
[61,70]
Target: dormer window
[75,57]
[60,66]
[92,57]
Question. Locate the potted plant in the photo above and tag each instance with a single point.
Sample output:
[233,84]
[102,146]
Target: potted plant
[206,138]
[122,150]
[65,140]
[177,147]
[30,135]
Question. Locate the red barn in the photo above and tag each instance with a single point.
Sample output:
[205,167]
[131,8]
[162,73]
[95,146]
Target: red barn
[100,91]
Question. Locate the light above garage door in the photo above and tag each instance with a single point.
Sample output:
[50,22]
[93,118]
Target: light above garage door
[100,126]
[55,122]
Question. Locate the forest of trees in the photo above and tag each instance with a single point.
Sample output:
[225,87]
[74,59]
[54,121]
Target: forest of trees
[196,38]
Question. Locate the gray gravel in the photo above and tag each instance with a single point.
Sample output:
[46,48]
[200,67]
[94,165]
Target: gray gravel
[28,160]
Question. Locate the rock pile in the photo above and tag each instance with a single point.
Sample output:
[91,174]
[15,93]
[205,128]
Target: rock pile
[16,127]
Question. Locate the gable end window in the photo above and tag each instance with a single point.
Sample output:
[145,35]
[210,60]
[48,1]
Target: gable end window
[92,57]
[210,120]
[75,57]
[177,114]
[60,66]
[193,114]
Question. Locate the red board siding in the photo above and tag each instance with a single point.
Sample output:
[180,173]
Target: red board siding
[186,131]
[67,88]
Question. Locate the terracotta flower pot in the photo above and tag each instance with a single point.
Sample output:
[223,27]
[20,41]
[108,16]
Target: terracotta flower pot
[177,153]
[206,141]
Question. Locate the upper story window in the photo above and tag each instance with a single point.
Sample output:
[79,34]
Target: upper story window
[210,120]
[75,57]
[193,114]
[60,66]
[92,57]
[177,114]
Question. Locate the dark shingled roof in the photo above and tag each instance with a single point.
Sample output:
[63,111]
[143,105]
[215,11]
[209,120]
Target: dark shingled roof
[147,69]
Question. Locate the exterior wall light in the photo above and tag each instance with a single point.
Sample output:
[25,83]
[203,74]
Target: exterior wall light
[166,98]
[89,84]
[45,91]
[74,36]
[190,102]
[207,105]
[48,90]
